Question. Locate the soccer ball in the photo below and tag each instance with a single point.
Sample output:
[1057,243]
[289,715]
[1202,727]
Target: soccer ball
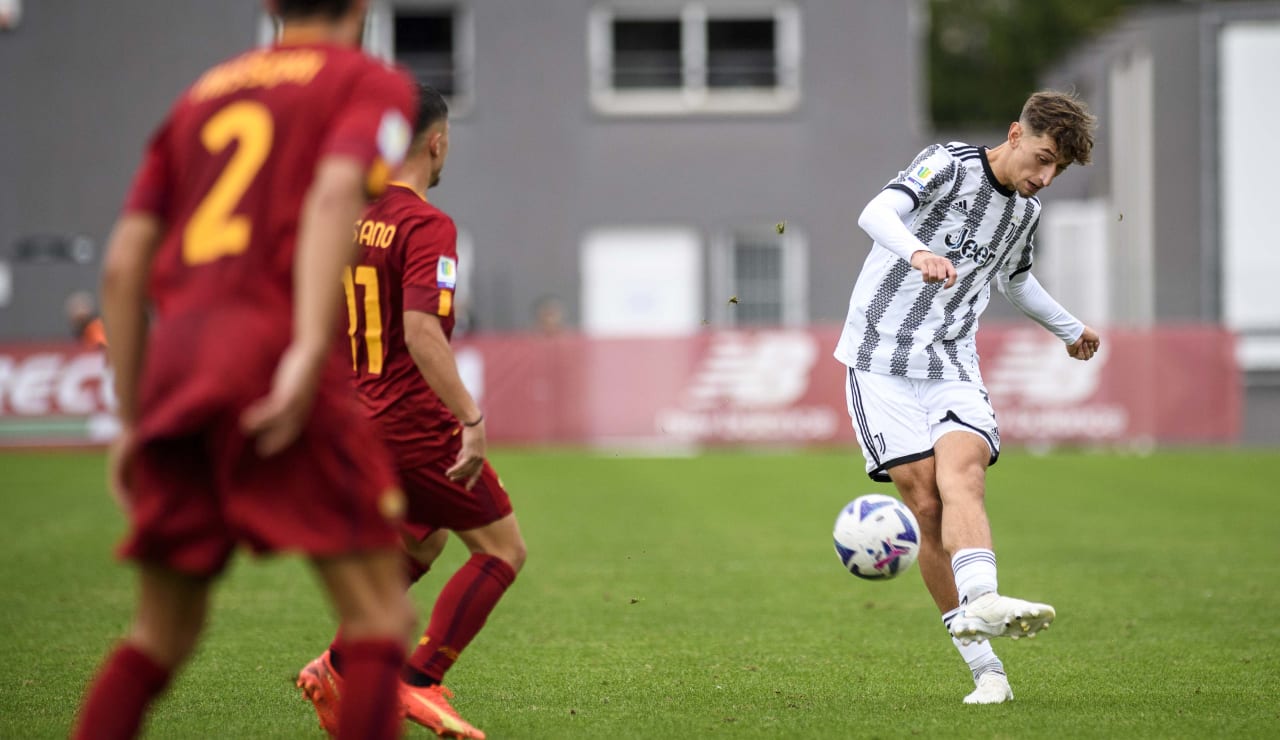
[876,536]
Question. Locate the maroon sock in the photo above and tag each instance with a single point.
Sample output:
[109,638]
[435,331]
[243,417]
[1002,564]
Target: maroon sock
[371,705]
[459,613]
[119,696]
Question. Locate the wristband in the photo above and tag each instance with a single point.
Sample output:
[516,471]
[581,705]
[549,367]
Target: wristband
[476,423]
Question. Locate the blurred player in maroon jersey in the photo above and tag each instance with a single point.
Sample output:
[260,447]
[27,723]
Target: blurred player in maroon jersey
[400,314]
[238,427]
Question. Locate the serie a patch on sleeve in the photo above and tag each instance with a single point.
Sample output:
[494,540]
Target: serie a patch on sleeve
[447,273]
[919,177]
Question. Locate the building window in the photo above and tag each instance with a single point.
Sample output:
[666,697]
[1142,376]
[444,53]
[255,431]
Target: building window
[742,53]
[762,276]
[433,40]
[695,57]
[646,54]
[423,41]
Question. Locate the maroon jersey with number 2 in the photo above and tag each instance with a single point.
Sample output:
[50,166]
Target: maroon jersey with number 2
[409,262]
[227,173]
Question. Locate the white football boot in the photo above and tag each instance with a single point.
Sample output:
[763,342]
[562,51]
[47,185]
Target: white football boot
[992,615]
[993,688]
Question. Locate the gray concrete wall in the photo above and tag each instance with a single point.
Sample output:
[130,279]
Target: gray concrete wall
[1174,41]
[83,83]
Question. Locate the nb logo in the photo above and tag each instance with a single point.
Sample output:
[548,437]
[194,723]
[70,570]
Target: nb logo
[763,370]
[1033,369]
[969,248]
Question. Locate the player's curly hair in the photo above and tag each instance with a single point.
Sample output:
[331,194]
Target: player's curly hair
[1064,118]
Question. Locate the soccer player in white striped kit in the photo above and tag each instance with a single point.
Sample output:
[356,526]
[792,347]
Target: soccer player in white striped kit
[959,219]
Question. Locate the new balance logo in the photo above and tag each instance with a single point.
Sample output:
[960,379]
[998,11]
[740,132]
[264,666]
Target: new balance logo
[1032,369]
[762,370]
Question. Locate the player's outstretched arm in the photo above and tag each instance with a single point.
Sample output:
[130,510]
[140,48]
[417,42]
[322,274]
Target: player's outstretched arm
[1029,296]
[324,250]
[431,352]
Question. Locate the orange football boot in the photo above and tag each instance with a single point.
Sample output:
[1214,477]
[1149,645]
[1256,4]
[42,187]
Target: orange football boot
[323,686]
[429,707]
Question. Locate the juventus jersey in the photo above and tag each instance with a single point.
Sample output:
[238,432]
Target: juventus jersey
[900,325]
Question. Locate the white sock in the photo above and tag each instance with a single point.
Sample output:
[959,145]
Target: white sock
[975,571]
[978,655]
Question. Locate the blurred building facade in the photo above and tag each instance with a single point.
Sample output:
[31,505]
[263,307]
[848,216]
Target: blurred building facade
[1171,223]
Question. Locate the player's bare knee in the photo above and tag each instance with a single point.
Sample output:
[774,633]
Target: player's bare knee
[512,551]
[515,554]
[965,480]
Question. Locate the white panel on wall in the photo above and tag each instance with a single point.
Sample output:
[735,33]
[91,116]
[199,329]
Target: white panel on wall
[1072,255]
[642,281]
[1249,190]
[1132,130]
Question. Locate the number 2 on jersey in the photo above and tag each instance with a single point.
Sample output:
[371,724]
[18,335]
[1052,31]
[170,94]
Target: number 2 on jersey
[365,276]
[213,230]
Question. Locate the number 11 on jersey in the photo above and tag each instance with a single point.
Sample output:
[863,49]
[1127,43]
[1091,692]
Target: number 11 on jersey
[366,277]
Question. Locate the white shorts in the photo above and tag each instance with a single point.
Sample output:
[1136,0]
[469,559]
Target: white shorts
[898,420]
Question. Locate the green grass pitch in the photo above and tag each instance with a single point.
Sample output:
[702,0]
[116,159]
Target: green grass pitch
[702,597]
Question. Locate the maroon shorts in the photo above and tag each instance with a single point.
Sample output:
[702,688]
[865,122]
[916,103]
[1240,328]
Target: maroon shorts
[197,486]
[435,502]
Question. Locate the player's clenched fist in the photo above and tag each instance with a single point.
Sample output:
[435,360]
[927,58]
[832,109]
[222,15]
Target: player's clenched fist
[933,268]
[1086,346]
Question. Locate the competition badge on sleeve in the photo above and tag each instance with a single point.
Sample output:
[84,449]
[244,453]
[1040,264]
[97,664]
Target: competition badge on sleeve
[447,273]
[446,281]
[918,179]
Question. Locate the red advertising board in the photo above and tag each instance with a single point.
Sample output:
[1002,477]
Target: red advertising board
[1170,384]
[54,394]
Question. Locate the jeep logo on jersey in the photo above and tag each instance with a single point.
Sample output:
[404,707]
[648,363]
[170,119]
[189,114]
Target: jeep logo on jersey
[981,254]
[755,371]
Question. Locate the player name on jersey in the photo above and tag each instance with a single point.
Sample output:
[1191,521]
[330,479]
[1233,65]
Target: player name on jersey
[264,70]
[374,233]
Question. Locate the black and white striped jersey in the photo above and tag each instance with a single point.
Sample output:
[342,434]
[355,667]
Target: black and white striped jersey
[898,324]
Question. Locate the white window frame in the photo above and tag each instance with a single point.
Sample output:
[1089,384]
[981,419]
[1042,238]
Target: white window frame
[794,279]
[379,41]
[694,96]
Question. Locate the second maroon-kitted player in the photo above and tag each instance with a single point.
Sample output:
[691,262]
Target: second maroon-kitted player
[401,316]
